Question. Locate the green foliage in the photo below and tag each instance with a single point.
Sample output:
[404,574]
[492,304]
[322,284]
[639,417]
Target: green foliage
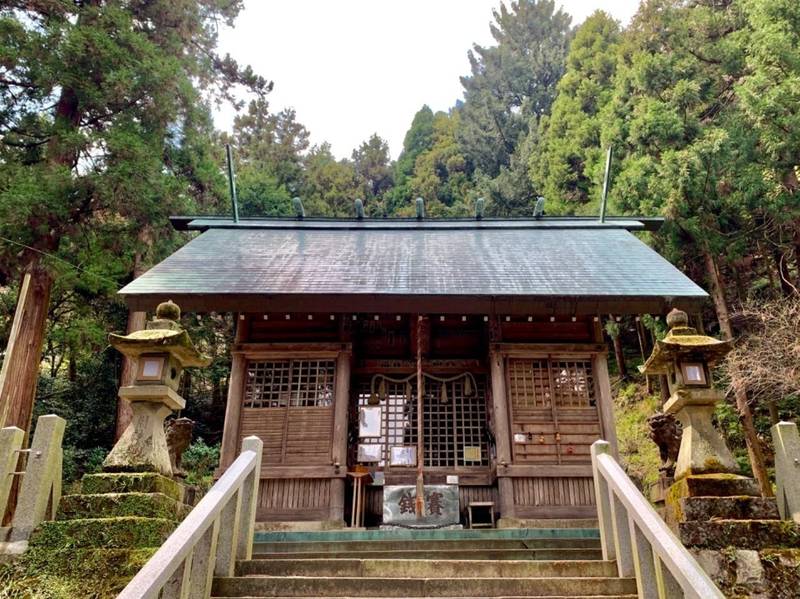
[199,461]
[78,462]
[638,454]
[567,163]
[514,82]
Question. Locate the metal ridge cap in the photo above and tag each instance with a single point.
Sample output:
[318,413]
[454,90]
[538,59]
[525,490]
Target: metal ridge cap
[203,223]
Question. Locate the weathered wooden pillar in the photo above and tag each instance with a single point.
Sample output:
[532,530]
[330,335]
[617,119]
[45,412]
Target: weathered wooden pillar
[341,403]
[505,486]
[605,402]
[20,372]
[233,407]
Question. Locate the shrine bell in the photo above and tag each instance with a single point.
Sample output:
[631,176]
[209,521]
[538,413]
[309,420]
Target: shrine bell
[160,352]
[684,356]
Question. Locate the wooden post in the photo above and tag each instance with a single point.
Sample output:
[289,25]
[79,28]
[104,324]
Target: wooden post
[605,401]
[419,504]
[341,403]
[20,371]
[136,322]
[233,408]
[505,486]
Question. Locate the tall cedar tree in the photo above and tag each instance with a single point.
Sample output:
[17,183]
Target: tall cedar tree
[97,99]
[514,82]
[566,165]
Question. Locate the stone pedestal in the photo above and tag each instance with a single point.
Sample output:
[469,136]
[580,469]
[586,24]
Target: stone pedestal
[143,445]
[703,451]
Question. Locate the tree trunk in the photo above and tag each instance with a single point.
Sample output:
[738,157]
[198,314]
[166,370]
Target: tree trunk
[619,356]
[783,271]
[754,450]
[136,322]
[20,372]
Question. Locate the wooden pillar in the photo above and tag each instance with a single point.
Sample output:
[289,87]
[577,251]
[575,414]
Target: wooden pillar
[341,403]
[233,408]
[505,487]
[20,372]
[136,322]
[605,402]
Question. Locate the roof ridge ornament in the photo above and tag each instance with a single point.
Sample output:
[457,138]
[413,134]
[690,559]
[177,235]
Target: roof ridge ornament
[359,205]
[420,208]
[480,205]
[538,209]
[299,211]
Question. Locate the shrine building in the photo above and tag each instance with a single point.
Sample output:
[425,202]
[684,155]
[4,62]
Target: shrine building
[341,324]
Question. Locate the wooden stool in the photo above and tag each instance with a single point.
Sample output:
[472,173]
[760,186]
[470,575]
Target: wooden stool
[481,504]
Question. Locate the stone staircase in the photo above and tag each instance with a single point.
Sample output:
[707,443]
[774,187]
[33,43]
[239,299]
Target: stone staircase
[443,563]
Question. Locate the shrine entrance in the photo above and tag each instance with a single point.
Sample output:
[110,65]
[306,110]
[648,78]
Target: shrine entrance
[454,449]
[454,432]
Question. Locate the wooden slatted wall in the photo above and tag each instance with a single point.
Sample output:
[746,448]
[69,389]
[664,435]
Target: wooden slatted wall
[294,499]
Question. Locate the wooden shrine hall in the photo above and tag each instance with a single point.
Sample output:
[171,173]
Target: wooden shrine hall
[466,353]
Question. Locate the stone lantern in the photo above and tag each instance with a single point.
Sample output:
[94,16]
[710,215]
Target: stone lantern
[685,356]
[159,353]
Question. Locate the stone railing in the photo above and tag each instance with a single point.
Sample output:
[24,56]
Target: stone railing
[633,534]
[787,469]
[209,541]
[40,482]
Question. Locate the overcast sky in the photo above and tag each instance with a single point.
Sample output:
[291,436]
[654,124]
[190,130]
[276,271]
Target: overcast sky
[351,68]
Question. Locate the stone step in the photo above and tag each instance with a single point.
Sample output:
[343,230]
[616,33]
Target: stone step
[131,482]
[426,545]
[108,533]
[445,554]
[747,534]
[433,568]
[742,507]
[713,485]
[314,586]
[593,596]
[148,505]
[576,530]
[86,562]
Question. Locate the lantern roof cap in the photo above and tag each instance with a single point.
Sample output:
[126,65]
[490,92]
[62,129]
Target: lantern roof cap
[163,334]
[683,341]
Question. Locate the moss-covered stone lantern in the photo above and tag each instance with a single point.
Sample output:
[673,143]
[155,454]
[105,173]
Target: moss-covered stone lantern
[160,352]
[685,356]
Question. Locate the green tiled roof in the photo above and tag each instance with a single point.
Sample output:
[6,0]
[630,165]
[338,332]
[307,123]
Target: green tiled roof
[494,265]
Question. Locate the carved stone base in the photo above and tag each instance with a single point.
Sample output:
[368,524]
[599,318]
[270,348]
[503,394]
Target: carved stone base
[143,445]
[703,451]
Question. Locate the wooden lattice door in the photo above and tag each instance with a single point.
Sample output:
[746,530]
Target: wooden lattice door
[554,412]
[289,405]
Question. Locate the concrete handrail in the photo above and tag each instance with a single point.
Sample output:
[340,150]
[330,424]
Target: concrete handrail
[209,541]
[633,533]
[40,485]
[787,469]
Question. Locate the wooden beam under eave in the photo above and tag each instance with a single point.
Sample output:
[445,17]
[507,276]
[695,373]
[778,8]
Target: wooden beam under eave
[418,304]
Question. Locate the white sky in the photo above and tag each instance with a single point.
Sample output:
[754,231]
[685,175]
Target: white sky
[351,68]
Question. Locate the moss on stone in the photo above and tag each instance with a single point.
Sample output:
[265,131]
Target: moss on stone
[131,482]
[148,505]
[746,534]
[110,533]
